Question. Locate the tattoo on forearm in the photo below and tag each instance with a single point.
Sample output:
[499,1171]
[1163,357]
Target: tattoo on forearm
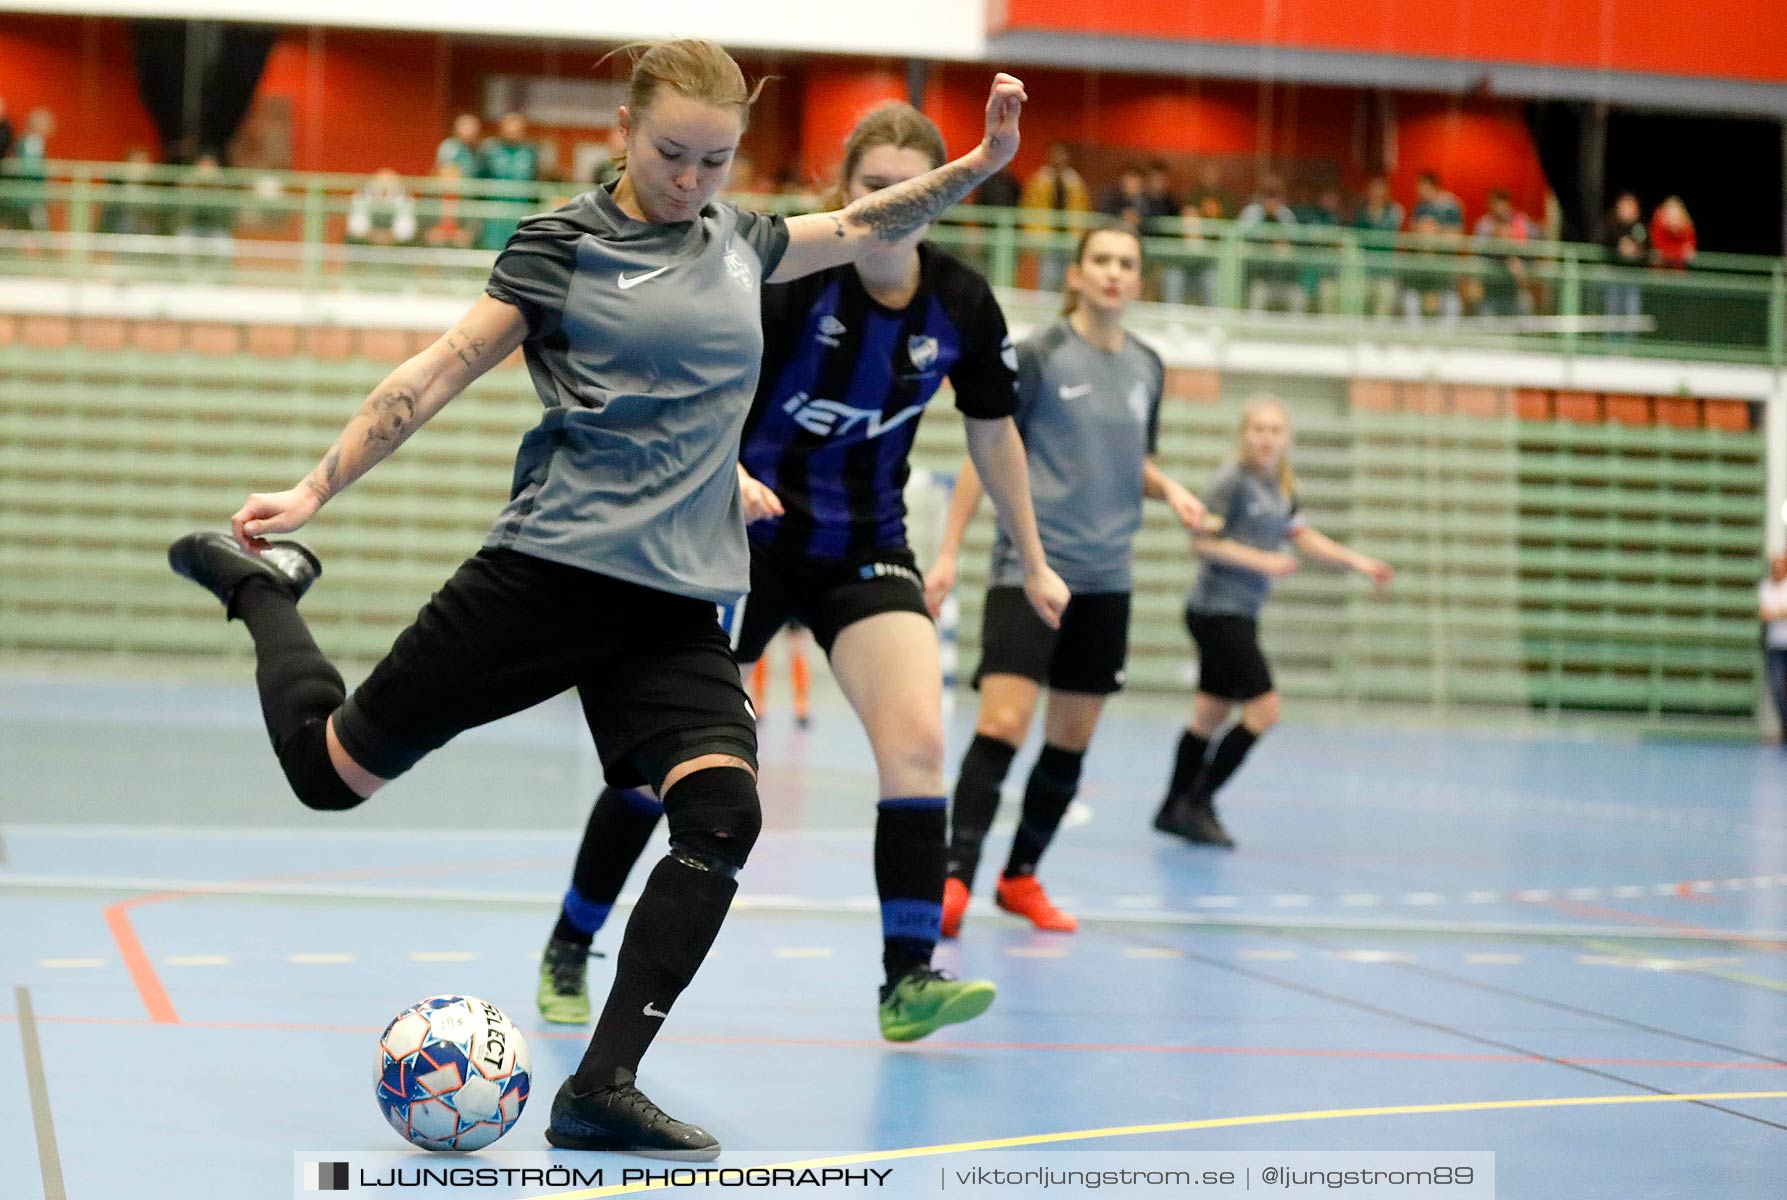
[390,414]
[468,348]
[903,209]
[330,467]
[837,226]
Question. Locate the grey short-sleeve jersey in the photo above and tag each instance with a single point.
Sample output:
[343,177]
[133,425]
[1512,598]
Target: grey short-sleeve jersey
[1089,419]
[644,343]
[1255,512]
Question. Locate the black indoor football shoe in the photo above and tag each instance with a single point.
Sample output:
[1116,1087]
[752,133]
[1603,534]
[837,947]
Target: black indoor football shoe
[1206,830]
[216,563]
[619,1118]
[1196,823]
[1174,816]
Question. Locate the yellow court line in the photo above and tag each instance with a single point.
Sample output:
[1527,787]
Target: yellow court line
[1041,1139]
[1695,967]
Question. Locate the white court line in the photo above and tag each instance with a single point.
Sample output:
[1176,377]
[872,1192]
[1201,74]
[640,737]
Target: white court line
[1360,900]
[1035,952]
[319,960]
[1137,901]
[443,956]
[803,952]
[1152,952]
[70,964]
[1494,960]
[1268,955]
[1423,898]
[197,960]
[1292,901]
[201,889]
[1372,956]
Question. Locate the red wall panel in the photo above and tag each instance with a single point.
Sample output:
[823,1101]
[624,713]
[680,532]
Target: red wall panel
[80,69]
[1475,144]
[1730,39]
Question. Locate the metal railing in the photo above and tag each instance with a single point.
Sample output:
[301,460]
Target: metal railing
[83,221]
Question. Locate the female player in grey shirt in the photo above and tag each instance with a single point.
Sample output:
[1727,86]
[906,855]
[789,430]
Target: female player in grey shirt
[1255,497]
[1088,408]
[638,309]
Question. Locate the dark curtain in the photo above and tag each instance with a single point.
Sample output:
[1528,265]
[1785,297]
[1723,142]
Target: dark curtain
[1727,170]
[197,79]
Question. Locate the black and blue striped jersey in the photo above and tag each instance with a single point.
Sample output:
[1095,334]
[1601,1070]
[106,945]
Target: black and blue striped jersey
[843,385]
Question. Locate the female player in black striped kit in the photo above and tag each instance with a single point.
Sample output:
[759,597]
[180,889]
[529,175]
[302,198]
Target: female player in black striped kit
[1088,407]
[851,357]
[637,306]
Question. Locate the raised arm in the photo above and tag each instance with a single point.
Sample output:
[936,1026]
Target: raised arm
[830,239]
[488,333]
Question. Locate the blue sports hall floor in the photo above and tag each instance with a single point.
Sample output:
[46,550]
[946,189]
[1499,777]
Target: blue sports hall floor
[1569,949]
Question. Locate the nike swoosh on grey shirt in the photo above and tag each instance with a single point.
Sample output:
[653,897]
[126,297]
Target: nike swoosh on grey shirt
[644,343]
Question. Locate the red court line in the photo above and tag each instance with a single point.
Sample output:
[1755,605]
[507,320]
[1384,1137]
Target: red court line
[878,1044]
[142,971]
[1578,909]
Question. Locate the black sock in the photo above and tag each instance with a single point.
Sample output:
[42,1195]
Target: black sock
[1053,781]
[1188,764]
[620,826]
[299,689]
[1229,752]
[909,850]
[976,801]
[667,938]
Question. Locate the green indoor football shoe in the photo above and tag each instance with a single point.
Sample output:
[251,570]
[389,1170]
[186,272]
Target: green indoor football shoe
[564,983]
[924,1000]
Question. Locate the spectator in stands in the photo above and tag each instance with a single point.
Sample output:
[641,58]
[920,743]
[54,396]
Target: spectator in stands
[1321,280]
[382,213]
[448,232]
[140,206]
[6,130]
[1055,188]
[460,148]
[1378,220]
[1501,288]
[1774,636]
[1432,200]
[1672,235]
[1190,276]
[606,167]
[206,212]
[28,162]
[1628,246]
[1158,197]
[1127,203]
[1430,277]
[511,157]
[1272,275]
[1211,200]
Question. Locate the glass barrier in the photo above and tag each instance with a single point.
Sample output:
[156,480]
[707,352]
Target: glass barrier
[129,222]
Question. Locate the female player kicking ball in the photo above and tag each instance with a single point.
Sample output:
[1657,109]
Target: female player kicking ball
[851,357]
[1088,409]
[1255,494]
[637,307]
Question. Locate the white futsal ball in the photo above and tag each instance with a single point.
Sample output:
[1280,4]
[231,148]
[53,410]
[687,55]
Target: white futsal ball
[453,1073]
